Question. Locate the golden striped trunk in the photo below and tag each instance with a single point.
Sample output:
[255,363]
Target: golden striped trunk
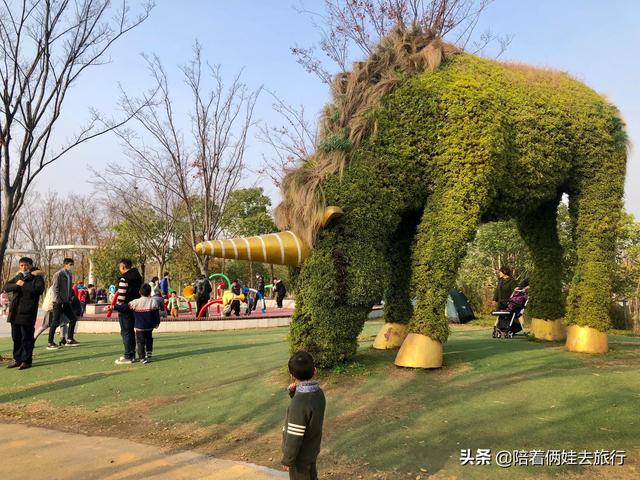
[282,248]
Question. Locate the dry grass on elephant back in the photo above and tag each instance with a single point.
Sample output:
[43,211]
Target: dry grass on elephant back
[346,122]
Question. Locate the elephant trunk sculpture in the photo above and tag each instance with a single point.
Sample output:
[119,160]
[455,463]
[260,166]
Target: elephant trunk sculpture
[282,248]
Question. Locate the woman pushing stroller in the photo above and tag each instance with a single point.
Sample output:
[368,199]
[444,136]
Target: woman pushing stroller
[511,310]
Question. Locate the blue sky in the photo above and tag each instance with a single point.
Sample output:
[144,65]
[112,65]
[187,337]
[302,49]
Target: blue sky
[595,41]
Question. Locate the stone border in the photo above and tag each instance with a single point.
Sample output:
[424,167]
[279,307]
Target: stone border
[174,325]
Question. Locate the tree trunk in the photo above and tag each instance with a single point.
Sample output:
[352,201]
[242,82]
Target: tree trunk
[204,266]
[635,314]
[7,223]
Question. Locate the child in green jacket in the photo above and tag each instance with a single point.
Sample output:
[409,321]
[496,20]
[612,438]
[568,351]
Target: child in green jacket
[302,432]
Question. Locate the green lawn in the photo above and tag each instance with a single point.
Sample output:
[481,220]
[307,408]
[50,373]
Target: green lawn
[497,394]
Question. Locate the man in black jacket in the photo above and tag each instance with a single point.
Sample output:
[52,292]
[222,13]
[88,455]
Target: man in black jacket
[280,290]
[203,293]
[129,285]
[26,286]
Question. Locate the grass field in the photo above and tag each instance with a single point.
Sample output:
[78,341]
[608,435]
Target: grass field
[223,394]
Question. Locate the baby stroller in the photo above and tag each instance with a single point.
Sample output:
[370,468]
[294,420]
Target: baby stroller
[508,319]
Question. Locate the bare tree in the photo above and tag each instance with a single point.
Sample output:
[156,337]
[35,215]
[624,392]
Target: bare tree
[41,224]
[148,209]
[45,46]
[201,171]
[289,143]
[352,28]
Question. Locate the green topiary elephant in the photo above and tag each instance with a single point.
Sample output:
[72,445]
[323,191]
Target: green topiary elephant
[420,145]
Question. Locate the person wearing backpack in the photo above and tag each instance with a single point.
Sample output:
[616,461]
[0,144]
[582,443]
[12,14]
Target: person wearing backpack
[62,304]
[203,292]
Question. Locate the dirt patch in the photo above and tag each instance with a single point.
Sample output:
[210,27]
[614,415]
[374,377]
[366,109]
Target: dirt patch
[130,421]
[237,442]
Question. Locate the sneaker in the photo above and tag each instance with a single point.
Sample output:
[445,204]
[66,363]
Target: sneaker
[145,360]
[124,361]
[24,366]
[52,346]
[13,364]
[149,354]
[63,342]
[72,343]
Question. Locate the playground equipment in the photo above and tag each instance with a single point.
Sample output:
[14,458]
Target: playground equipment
[456,143]
[188,291]
[221,275]
[228,296]
[213,301]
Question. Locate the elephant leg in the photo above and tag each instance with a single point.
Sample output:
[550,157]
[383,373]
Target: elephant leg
[546,307]
[449,222]
[397,298]
[595,206]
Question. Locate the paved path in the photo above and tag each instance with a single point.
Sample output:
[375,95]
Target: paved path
[30,452]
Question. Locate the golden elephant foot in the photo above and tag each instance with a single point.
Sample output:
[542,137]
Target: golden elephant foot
[550,330]
[391,335]
[419,351]
[586,340]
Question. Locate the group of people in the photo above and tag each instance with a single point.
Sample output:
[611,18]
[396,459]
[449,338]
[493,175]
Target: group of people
[25,290]
[140,306]
[203,289]
[138,310]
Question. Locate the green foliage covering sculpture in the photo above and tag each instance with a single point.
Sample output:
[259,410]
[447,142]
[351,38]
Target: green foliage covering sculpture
[420,145]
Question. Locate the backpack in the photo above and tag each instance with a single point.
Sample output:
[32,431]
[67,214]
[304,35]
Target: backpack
[76,307]
[47,303]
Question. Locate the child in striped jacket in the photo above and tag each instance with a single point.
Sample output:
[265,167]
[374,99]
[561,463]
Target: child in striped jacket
[147,317]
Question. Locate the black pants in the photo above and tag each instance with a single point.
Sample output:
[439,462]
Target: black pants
[303,472]
[144,339]
[235,307]
[22,336]
[200,304]
[58,310]
[128,335]
[279,300]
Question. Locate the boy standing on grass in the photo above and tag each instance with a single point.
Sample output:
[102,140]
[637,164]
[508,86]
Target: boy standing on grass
[302,432]
[147,317]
